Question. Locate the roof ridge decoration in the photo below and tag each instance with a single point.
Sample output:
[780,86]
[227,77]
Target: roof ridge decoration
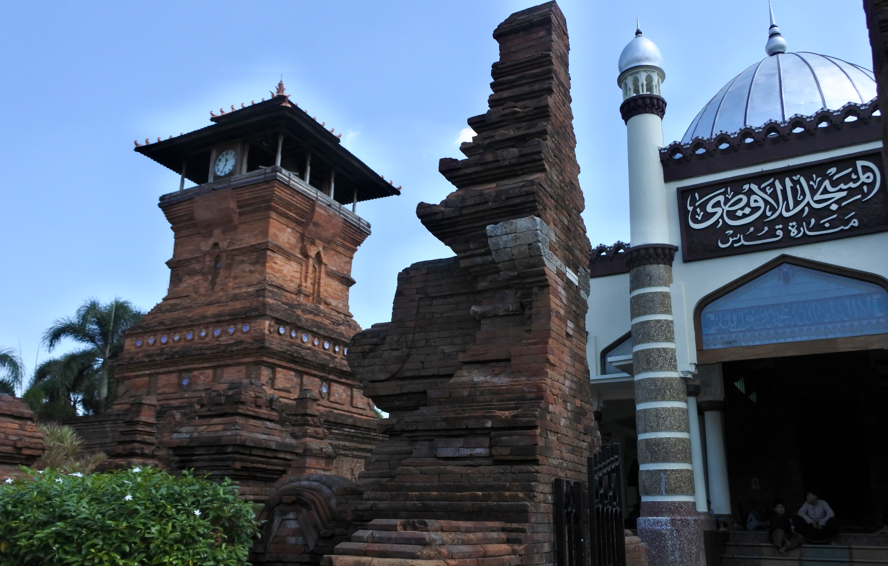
[851,116]
[609,260]
[279,93]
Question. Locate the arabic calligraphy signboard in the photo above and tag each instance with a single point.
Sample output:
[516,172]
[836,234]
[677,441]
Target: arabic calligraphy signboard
[803,204]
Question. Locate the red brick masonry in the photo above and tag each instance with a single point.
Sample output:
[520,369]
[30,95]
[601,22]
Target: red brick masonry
[483,365]
[21,443]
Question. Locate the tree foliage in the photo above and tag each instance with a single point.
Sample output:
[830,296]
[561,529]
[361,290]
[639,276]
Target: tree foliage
[11,371]
[125,518]
[83,380]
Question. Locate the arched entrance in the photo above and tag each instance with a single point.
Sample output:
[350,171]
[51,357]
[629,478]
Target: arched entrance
[798,351]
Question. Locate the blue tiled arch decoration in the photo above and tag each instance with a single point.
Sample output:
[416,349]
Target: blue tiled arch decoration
[793,300]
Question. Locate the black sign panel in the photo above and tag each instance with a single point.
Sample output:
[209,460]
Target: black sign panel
[803,204]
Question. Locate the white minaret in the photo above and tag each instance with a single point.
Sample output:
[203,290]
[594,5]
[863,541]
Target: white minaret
[641,74]
[669,522]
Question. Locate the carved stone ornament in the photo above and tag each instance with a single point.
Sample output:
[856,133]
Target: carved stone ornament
[851,124]
[643,104]
[801,204]
[650,254]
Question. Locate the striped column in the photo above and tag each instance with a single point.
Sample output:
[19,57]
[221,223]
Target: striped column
[669,521]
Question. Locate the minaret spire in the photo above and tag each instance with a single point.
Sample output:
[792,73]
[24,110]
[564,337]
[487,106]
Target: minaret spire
[776,44]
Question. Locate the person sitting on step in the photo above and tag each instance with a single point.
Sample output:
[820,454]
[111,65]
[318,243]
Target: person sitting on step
[757,519]
[883,530]
[820,520]
[782,530]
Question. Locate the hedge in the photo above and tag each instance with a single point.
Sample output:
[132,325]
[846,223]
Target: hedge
[123,518]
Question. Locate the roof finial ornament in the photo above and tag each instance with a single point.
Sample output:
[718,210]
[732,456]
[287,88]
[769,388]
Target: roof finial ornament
[776,44]
[281,91]
[637,26]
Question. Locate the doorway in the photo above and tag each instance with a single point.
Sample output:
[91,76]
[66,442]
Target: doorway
[813,422]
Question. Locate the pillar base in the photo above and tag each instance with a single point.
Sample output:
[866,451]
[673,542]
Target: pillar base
[674,541]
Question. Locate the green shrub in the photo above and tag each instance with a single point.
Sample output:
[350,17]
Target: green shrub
[123,518]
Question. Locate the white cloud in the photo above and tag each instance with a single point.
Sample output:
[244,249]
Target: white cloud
[465,135]
[350,137]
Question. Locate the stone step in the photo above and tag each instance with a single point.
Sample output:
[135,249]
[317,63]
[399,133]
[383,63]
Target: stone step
[848,539]
[412,551]
[426,538]
[395,542]
[754,554]
[433,526]
[344,560]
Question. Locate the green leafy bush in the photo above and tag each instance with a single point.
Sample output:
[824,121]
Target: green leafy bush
[123,518]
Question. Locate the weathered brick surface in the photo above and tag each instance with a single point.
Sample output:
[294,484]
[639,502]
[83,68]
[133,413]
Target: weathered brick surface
[636,551]
[483,367]
[21,443]
[304,519]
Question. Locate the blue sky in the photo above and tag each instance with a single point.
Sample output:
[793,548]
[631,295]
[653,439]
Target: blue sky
[81,81]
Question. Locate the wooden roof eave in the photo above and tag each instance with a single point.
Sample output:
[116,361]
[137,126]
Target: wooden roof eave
[296,124]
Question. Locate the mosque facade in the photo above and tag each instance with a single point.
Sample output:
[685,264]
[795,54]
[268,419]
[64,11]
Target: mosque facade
[737,343]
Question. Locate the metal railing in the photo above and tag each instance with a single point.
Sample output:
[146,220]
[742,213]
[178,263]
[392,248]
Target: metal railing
[608,540]
[589,524]
[571,523]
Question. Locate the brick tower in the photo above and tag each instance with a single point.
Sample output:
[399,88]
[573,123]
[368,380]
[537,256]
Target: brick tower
[241,369]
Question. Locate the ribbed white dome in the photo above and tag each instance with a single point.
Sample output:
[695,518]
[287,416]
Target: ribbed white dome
[779,87]
[638,52]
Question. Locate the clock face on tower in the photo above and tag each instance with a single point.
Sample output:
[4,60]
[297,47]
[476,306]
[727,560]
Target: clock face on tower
[225,162]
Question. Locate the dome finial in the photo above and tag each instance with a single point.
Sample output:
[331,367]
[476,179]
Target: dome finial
[637,27]
[776,44]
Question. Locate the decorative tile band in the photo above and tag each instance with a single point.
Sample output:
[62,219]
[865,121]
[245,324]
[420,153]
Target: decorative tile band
[662,405]
[668,498]
[644,290]
[649,435]
[656,374]
[649,345]
[665,466]
[647,317]
[244,328]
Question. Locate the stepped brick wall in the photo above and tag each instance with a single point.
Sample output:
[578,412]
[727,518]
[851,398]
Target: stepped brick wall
[21,443]
[483,366]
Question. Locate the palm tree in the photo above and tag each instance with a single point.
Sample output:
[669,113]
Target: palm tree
[83,376]
[65,385]
[11,371]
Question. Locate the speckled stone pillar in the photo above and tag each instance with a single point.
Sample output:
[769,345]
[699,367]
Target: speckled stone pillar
[669,522]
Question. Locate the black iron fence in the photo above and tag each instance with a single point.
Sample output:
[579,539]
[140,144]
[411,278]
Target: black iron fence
[589,523]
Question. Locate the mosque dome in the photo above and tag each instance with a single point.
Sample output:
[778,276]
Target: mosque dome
[639,52]
[780,86]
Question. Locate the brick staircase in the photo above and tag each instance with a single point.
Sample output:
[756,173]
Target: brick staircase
[395,542]
[745,548]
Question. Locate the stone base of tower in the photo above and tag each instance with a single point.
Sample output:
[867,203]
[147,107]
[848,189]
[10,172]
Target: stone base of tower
[673,533]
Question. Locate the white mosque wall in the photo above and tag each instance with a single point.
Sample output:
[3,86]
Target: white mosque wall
[608,317]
